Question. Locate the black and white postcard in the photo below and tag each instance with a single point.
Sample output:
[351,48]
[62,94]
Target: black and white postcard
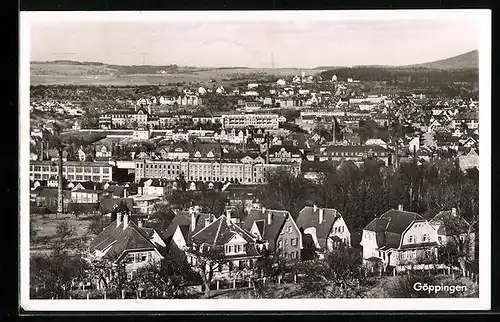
[257,161]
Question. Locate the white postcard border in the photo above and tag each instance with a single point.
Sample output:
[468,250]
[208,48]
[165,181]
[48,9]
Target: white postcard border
[484,47]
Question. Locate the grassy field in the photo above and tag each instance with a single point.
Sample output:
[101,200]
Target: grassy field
[378,287]
[69,74]
[46,230]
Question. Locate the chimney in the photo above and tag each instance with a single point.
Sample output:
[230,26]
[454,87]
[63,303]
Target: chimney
[118,219]
[125,221]
[125,193]
[315,208]
[269,217]
[263,210]
[139,223]
[321,215]
[453,211]
[400,207]
[228,216]
[193,221]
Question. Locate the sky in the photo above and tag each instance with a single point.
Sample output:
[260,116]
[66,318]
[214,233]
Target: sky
[299,44]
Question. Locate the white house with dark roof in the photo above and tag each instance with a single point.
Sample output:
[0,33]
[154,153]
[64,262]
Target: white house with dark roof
[324,229]
[398,238]
[223,241]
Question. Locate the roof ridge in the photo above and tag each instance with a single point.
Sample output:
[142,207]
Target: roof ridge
[218,230]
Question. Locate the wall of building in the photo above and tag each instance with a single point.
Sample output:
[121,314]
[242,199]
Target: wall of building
[290,239]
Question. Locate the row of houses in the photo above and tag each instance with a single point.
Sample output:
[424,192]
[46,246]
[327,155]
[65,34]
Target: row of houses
[393,240]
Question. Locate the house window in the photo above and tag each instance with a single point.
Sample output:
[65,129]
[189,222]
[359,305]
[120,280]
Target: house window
[105,170]
[294,241]
[294,255]
[87,170]
[79,169]
[45,168]
[280,243]
[410,240]
[289,229]
[425,238]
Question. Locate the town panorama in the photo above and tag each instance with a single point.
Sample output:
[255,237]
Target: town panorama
[165,182]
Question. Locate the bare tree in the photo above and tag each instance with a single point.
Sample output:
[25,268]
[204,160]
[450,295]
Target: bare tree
[206,265]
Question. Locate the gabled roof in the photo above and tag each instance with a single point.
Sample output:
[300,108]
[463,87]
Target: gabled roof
[219,232]
[184,218]
[120,240]
[309,218]
[115,190]
[390,226]
[272,231]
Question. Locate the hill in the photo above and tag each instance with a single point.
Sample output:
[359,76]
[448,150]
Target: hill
[464,61]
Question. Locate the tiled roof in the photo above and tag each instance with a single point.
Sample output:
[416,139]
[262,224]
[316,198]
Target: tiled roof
[390,226]
[270,232]
[184,218]
[120,240]
[308,218]
[220,232]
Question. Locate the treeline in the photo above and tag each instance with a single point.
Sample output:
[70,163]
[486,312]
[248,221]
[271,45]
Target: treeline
[404,75]
[365,192]
[99,93]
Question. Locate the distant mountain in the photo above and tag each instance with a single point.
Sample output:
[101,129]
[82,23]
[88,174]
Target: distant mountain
[463,61]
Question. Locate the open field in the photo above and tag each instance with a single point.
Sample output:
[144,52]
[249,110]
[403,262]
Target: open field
[46,230]
[379,287]
[71,74]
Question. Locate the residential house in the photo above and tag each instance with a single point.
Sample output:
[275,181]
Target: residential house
[125,243]
[240,194]
[277,229]
[143,204]
[397,239]
[103,149]
[155,187]
[469,161]
[454,229]
[192,220]
[414,144]
[86,196]
[325,227]
[235,249]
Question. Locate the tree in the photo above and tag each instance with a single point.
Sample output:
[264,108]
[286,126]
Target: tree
[55,274]
[64,232]
[339,275]
[284,190]
[205,266]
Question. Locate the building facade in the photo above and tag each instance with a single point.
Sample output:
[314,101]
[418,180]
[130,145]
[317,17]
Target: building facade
[72,171]
[246,171]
